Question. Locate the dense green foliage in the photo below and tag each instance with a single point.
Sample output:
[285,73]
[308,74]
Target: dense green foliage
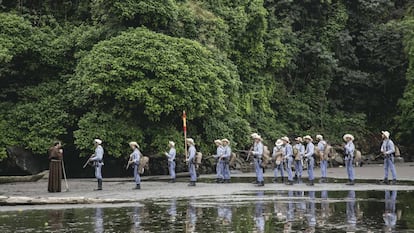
[125,70]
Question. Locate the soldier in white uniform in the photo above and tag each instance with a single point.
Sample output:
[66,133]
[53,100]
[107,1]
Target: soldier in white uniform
[97,159]
[219,164]
[171,160]
[135,158]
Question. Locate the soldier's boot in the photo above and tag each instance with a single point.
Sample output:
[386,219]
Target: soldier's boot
[310,183]
[274,180]
[394,182]
[260,184]
[171,181]
[138,186]
[289,182]
[300,179]
[221,181]
[255,182]
[227,181]
[99,185]
[351,182]
[192,183]
[385,181]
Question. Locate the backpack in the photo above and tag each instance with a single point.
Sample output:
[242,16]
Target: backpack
[266,157]
[233,158]
[143,163]
[397,152]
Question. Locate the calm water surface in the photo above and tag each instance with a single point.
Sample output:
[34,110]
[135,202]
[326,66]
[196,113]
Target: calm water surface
[321,211]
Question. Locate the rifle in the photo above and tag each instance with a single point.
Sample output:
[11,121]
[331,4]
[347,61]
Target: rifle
[248,153]
[130,159]
[87,162]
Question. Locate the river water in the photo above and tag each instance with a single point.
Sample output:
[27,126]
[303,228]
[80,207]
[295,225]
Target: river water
[287,211]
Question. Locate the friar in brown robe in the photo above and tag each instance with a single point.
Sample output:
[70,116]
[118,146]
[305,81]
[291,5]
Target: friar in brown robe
[55,168]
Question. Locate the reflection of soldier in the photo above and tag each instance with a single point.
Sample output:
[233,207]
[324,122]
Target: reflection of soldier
[389,216]
[325,211]
[191,217]
[225,214]
[172,211]
[259,217]
[99,226]
[350,211]
[136,220]
[290,214]
[301,204]
[311,212]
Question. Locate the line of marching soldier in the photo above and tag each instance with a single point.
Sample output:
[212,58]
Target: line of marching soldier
[302,152]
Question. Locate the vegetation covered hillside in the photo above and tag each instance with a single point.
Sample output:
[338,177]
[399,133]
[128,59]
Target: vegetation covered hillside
[125,70]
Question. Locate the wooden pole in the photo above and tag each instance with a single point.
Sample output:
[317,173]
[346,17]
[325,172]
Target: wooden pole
[185,134]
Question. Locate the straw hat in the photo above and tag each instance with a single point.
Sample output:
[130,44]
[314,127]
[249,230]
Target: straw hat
[386,134]
[134,144]
[225,140]
[190,140]
[348,136]
[218,141]
[299,139]
[286,139]
[97,141]
[319,137]
[279,142]
[255,135]
[171,143]
[308,138]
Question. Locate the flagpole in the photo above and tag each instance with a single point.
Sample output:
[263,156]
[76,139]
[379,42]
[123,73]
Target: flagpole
[185,134]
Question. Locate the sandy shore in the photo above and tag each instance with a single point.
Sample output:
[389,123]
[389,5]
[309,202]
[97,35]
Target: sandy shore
[120,190]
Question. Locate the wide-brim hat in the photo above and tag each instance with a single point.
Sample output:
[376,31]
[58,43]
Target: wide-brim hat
[299,139]
[134,144]
[348,136]
[386,134]
[255,135]
[97,141]
[171,143]
[319,137]
[286,139]
[225,140]
[218,141]
[308,137]
[190,140]
[279,142]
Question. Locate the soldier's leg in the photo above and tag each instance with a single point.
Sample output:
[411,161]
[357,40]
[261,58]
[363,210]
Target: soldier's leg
[260,171]
[289,169]
[386,164]
[193,173]
[392,167]
[172,170]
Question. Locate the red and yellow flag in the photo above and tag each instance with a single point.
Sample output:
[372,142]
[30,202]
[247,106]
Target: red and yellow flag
[184,122]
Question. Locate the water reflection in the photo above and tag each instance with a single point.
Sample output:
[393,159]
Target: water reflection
[224,214]
[389,215]
[136,219]
[191,217]
[99,223]
[351,218]
[259,213]
[172,211]
[293,211]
